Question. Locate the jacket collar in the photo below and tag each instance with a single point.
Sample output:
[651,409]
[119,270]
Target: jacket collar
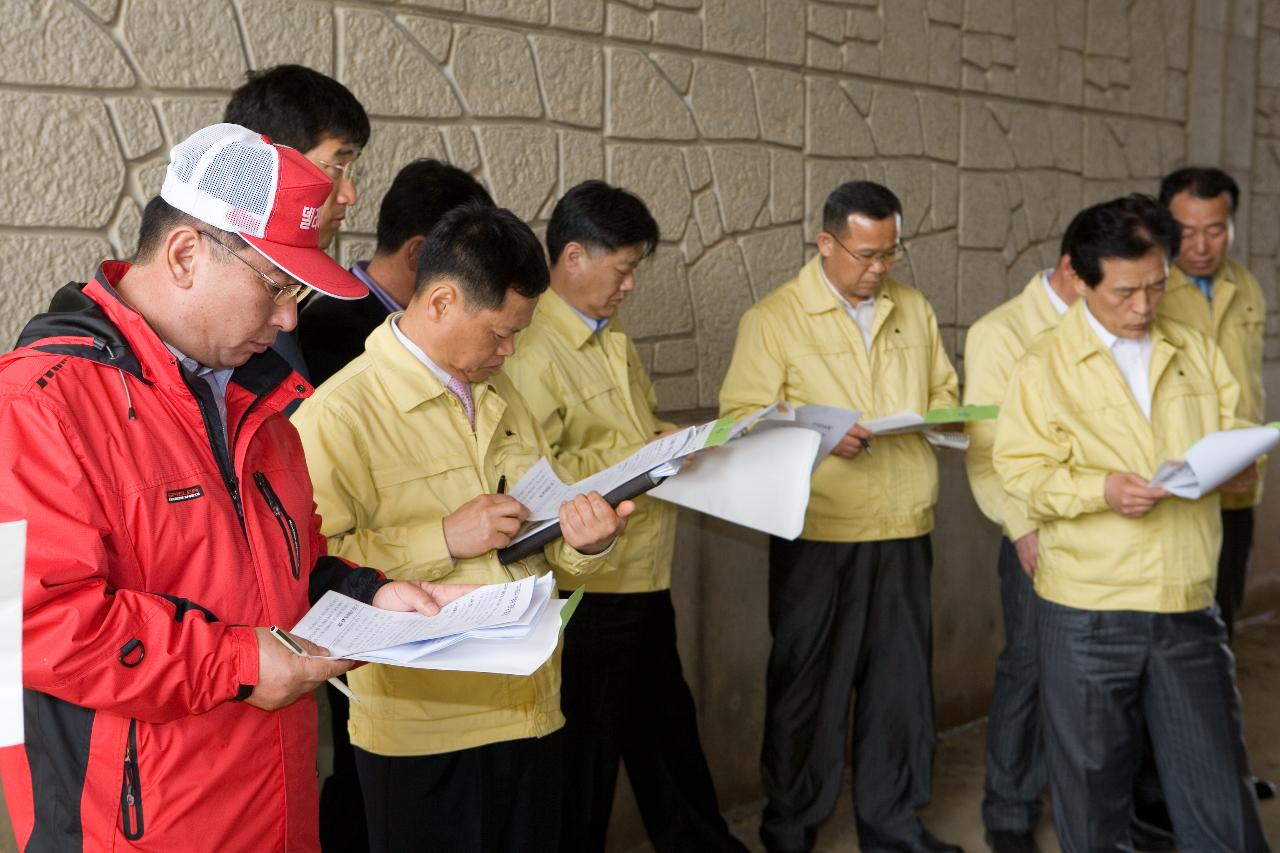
[1082,342]
[408,381]
[559,314]
[92,321]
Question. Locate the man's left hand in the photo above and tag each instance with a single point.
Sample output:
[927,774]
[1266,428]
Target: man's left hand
[590,525]
[1242,482]
[426,598]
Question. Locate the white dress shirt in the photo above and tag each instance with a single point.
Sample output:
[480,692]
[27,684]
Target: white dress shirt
[863,314]
[1133,357]
[1054,299]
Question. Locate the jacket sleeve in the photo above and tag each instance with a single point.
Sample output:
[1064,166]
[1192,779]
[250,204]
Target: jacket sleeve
[988,361]
[758,370]
[86,640]
[1033,458]
[338,460]
[944,387]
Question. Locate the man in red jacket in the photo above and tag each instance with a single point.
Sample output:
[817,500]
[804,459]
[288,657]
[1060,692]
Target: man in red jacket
[170,516]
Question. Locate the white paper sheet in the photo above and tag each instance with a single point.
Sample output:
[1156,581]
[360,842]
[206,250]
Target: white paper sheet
[898,423]
[476,654]
[13,540]
[345,627]
[1214,459]
[759,481]
[831,423]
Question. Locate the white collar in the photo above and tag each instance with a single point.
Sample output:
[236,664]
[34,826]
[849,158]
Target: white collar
[443,375]
[1112,341]
[1054,299]
[870,301]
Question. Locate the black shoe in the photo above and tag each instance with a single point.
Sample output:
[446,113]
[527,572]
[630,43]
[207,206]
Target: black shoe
[923,843]
[1004,841]
[1264,789]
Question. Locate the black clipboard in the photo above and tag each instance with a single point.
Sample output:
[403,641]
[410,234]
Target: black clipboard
[634,487]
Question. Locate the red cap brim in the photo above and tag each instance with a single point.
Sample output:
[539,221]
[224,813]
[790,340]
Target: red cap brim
[311,266]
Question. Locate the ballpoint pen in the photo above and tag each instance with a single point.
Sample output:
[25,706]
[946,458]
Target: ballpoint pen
[502,484]
[292,645]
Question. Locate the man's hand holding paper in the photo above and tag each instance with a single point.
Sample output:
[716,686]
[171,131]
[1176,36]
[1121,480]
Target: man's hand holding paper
[590,525]
[853,442]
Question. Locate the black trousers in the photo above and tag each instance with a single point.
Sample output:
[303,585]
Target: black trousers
[342,824]
[1015,757]
[851,626]
[1233,563]
[488,799]
[625,699]
[1101,674]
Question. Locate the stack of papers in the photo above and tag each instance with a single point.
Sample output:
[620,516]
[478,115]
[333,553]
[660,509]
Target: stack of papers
[13,540]
[907,422]
[509,628]
[542,492]
[1214,459]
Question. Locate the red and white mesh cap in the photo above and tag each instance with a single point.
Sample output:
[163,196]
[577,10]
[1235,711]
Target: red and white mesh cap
[239,181]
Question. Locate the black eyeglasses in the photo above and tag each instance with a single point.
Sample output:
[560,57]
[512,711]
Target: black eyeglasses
[279,292]
[888,257]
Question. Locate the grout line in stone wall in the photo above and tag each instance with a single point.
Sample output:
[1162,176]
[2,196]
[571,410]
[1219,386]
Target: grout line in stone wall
[242,33]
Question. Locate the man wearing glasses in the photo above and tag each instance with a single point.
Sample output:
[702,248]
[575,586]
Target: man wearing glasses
[170,519]
[304,109]
[849,599]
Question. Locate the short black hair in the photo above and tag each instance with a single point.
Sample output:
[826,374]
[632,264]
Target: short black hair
[421,193]
[1127,228]
[159,218]
[600,217]
[1203,182]
[867,198]
[298,107]
[488,251]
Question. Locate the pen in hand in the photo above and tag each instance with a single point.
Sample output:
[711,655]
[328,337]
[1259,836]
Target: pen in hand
[287,640]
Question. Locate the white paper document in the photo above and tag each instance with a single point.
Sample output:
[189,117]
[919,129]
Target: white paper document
[13,540]
[542,492]
[509,628]
[346,627]
[759,481]
[1214,459]
[831,423]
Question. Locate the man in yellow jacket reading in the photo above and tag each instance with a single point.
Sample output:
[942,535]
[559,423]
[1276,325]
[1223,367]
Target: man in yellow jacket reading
[409,447]
[1127,626]
[849,600]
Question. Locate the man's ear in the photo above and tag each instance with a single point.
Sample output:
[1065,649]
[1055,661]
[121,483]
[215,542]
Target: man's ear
[825,244]
[439,299]
[411,251]
[182,254]
[1074,279]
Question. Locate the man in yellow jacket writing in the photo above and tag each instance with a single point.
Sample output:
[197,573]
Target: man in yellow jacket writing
[1126,620]
[409,446]
[849,600]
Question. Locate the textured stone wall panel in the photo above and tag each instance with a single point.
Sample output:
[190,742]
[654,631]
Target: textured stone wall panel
[494,70]
[390,72]
[289,31]
[193,44]
[54,43]
[656,173]
[572,78]
[39,265]
[72,171]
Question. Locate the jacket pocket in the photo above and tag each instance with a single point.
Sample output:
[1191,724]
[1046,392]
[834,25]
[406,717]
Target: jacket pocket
[287,528]
[131,788]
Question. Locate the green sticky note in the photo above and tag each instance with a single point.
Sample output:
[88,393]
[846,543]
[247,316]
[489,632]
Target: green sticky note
[720,432]
[962,414]
[570,605]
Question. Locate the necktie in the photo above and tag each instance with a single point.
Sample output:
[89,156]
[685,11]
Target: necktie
[1205,283]
[462,391]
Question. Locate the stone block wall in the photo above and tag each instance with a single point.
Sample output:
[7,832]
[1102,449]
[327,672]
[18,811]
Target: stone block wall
[994,120]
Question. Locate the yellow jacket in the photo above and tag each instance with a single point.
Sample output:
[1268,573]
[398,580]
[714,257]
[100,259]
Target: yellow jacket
[992,347]
[390,454]
[596,407]
[1235,322]
[1068,420]
[798,344]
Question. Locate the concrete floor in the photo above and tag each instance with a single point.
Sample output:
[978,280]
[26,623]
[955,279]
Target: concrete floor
[954,813]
